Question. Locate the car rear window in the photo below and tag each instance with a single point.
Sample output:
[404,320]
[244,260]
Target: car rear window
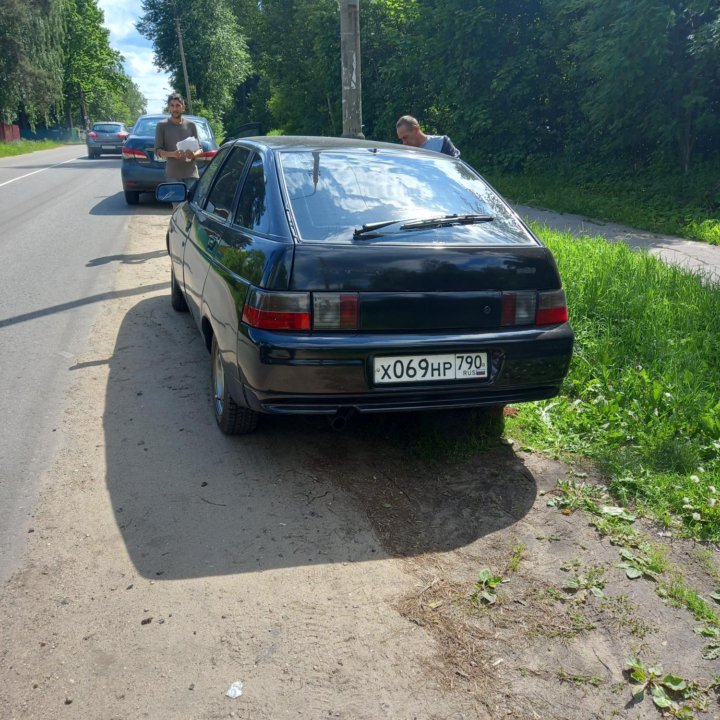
[146,127]
[108,127]
[203,130]
[333,192]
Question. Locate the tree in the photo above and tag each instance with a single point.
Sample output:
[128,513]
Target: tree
[93,70]
[215,51]
[648,70]
[31,59]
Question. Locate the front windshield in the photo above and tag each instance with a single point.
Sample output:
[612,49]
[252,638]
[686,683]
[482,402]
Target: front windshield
[332,192]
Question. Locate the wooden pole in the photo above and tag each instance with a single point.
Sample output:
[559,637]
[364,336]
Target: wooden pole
[350,60]
[184,66]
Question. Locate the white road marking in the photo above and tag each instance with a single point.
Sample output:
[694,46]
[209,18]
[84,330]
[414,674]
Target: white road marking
[49,167]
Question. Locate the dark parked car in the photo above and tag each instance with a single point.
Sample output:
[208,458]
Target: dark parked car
[141,171]
[332,276]
[105,137]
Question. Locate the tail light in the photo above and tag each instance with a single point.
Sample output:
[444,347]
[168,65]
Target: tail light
[552,308]
[277,310]
[122,135]
[92,135]
[208,154]
[291,311]
[133,154]
[528,308]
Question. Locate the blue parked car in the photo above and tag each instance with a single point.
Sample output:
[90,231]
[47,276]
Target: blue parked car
[141,171]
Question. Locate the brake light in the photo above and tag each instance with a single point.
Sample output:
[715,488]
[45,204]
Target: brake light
[335,311]
[122,135]
[133,154]
[208,154]
[277,310]
[552,308]
[92,135]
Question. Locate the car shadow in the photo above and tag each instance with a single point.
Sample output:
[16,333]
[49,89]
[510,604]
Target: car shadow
[191,502]
[136,259]
[116,205]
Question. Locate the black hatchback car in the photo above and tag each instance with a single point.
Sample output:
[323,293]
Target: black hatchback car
[331,276]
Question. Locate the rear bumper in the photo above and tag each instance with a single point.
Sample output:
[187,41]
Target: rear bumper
[290,374]
[104,147]
[143,178]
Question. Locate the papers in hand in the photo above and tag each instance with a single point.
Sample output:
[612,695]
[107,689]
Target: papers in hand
[190,143]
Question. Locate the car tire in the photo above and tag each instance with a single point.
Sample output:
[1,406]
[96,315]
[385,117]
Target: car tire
[230,417]
[132,197]
[177,299]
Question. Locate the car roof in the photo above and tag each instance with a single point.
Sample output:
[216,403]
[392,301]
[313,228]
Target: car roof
[161,116]
[310,143]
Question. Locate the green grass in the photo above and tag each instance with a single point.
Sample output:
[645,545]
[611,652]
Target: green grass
[20,147]
[642,397]
[658,198]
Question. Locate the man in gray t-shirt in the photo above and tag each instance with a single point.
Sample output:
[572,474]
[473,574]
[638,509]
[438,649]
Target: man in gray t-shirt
[181,164]
[409,133]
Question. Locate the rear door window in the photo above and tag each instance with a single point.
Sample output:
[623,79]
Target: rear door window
[220,199]
[252,210]
[204,183]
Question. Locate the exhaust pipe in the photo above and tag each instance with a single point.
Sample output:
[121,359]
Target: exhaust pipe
[338,422]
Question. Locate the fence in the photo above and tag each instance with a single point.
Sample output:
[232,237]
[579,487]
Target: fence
[8,133]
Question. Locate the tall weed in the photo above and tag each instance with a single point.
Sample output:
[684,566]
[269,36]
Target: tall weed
[643,394]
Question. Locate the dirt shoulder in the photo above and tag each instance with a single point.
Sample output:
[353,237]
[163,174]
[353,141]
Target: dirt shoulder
[332,574]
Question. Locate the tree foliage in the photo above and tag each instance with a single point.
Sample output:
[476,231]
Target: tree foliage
[93,70]
[215,51]
[509,80]
[31,58]
[56,63]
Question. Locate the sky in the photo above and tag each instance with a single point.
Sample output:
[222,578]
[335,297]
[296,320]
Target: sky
[120,19]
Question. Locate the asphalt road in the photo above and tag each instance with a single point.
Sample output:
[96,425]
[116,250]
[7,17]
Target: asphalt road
[63,220]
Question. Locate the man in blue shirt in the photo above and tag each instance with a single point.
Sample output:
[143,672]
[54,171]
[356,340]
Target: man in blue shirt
[409,133]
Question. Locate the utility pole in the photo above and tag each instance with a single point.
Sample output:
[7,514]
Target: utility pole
[184,66]
[350,59]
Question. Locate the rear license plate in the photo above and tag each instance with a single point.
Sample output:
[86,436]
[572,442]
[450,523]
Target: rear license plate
[430,368]
[108,147]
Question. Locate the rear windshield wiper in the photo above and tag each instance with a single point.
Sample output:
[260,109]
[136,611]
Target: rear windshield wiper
[446,220]
[368,229]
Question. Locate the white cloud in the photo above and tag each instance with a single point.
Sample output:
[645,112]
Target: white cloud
[153,84]
[120,19]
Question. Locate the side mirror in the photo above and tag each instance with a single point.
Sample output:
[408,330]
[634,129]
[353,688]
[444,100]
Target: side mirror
[171,192]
